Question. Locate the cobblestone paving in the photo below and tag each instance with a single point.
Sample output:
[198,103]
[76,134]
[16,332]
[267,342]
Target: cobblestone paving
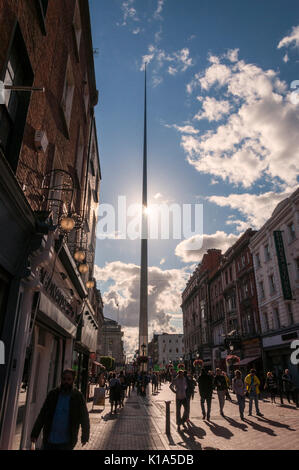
[140,425]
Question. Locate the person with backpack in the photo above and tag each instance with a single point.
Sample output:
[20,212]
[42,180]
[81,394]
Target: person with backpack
[239,388]
[205,384]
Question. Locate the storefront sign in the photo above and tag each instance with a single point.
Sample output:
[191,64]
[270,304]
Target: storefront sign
[55,293]
[283,267]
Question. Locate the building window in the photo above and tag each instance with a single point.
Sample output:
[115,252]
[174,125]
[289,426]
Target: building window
[230,274]
[267,253]
[262,291]
[258,260]
[290,314]
[266,321]
[13,113]
[68,94]
[226,277]
[276,318]
[243,261]
[42,7]
[297,268]
[77,29]
[291,232]
[80,152]
[272,284]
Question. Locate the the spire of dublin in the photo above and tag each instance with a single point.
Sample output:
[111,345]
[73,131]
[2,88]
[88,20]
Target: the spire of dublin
[143,313]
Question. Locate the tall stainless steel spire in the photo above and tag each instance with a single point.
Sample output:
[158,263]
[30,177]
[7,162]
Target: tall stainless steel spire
[143,313]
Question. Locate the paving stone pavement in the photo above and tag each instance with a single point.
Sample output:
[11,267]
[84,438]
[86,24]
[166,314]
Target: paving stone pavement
[140,425]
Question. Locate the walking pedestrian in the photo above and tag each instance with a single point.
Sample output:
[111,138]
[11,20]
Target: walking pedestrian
[179,386]
[189,391]
[61,416]
[271,386]
[115,390]
[227,395]
[288,386]
[221,387]
[252,384]
[205,385]
[239,388]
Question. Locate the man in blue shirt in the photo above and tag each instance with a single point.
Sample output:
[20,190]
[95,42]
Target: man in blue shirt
[61,416]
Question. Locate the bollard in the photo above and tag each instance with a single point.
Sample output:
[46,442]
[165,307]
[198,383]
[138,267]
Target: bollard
[167,423]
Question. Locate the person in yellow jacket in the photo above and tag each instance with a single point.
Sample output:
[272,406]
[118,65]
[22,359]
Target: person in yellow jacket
[252,384]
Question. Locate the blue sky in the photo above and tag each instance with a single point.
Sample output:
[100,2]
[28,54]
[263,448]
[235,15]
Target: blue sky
[222,130]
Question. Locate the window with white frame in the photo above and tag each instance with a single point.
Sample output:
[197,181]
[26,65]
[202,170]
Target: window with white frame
[267,253]
[68,93]
[291,232]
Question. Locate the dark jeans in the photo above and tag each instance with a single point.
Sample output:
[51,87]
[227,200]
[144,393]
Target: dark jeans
[209,403]
[253,398]
[49,446]
[179,403]
[241,403]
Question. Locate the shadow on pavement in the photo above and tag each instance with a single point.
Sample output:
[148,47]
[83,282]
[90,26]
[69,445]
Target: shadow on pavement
[260,428]
[220,431]
[195,430]
[236,424]
[276,424]
[189,441]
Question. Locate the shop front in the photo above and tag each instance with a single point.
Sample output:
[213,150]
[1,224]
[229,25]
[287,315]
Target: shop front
[277,353]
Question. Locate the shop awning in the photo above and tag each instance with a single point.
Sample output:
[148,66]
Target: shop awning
[247,360]
[99,364]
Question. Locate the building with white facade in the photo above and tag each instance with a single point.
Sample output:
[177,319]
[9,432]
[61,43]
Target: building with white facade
[170,348]
[275,250]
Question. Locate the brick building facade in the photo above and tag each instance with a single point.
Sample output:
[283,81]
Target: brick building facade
[50,182]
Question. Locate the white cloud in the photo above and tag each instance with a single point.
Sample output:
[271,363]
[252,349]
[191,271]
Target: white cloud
[165,288]
[219,240]
[129,11]
[162,261]
[255,208]
[213,110]
[184,129]
[286,58]
[159,9]
[259,137]
[233,55]
[178,61]
[292,38]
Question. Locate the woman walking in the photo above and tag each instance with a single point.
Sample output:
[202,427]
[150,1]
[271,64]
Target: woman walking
[271,386]
[239,388]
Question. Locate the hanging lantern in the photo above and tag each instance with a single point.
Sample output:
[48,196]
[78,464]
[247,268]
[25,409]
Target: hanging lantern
[83,268]
[90,284]
[79,255]
[67,224]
